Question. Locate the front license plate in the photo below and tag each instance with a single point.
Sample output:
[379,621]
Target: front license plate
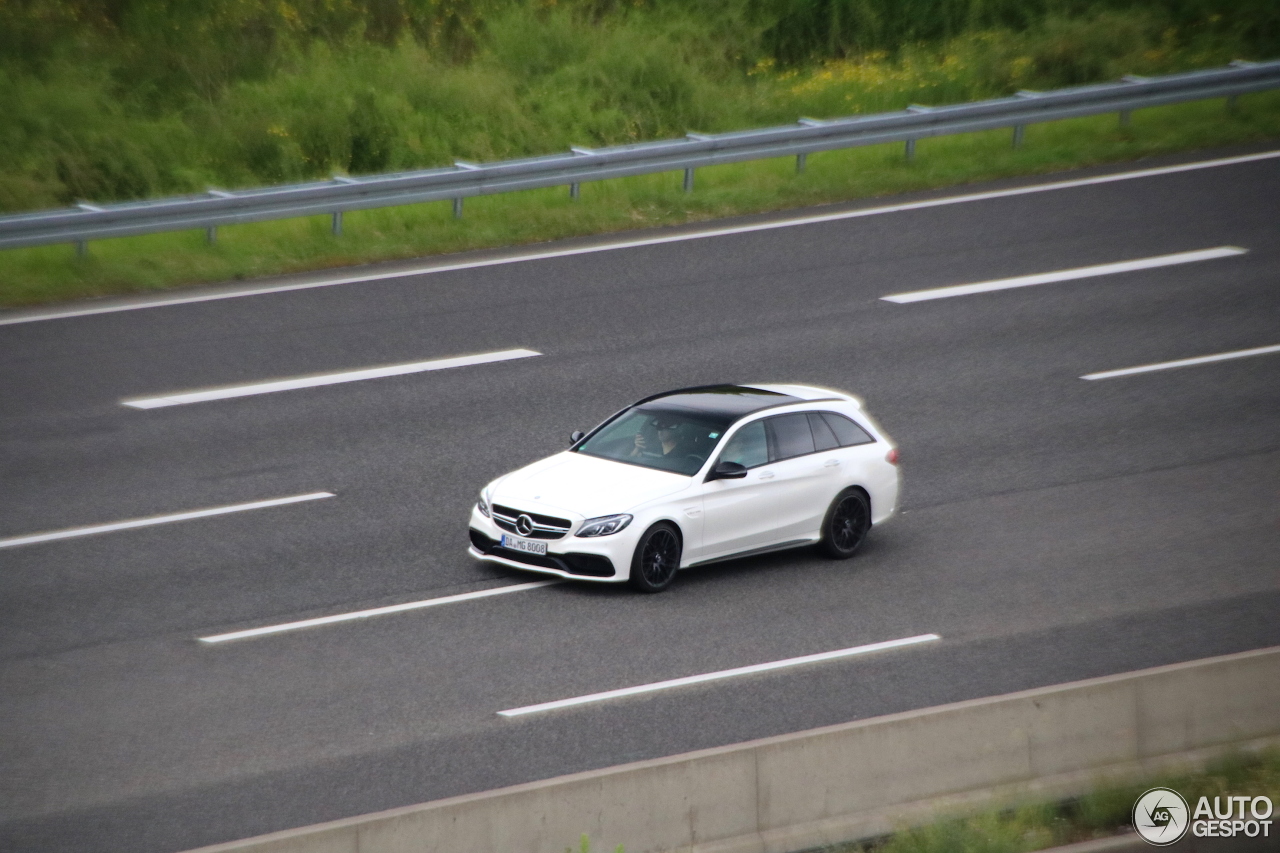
[515,543]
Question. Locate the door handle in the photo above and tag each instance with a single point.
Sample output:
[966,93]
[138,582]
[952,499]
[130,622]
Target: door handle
[832,463]
[766,475]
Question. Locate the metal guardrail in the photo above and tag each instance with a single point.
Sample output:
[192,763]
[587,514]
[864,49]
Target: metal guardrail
[95,222]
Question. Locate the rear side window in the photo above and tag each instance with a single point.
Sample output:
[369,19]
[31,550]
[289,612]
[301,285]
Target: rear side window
[791,435]
[847,432]
[823,437]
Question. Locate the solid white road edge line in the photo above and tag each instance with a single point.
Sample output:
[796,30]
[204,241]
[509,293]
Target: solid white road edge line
[1182,362]
[1067,275]
[275,385]
[158,519]
[376,611]
[650,241]
[715,676]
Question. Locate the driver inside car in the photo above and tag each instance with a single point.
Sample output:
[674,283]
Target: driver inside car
[666,444]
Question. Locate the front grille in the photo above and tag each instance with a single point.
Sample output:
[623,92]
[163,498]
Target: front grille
[546,520]
[544,526]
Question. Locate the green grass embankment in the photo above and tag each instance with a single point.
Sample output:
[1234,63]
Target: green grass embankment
[155,262]
[142,99]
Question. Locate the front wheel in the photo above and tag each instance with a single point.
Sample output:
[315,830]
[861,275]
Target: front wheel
[846,524]
[657,558]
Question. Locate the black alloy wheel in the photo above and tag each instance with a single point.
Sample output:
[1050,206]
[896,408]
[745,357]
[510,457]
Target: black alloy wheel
[657,559]
[846,524]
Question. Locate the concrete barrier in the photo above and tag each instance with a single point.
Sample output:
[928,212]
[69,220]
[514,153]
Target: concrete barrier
[854,780]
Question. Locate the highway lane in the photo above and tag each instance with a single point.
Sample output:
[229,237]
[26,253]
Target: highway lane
[1054,528]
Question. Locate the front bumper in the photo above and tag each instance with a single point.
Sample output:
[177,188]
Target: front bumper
[590,560]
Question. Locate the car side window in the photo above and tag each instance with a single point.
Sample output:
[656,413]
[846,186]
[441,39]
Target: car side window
[791,435]
[823,437]
[747,447]
[847,432]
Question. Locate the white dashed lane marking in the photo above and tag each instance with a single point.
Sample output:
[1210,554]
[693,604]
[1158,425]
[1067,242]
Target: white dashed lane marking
[91,530]
[376,611]
[1066,275]
[1183,362]
[275,385]
[722,674]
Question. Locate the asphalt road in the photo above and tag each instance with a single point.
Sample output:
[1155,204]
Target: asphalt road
[1052,528]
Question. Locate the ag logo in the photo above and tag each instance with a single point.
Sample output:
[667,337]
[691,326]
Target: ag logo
[1160,816]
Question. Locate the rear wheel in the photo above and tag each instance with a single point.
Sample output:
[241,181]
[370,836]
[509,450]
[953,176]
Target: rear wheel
[657,558]
[846,524]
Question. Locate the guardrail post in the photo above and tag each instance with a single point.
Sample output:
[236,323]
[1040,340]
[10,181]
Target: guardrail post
[337,222]
[82,246]
[688,180]
[573,191]
[457,208]
[1237,63]
[1017,135]
[911,149]
[800,158]
[211,234]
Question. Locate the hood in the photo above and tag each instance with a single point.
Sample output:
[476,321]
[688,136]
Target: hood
[584,485]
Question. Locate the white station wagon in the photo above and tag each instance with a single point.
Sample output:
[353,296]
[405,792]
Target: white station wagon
[692,477]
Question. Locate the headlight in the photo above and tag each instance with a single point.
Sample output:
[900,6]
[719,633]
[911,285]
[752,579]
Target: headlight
[604,525]
[483,506]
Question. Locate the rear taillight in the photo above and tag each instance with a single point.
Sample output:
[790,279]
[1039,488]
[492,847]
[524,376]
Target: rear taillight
[892,457]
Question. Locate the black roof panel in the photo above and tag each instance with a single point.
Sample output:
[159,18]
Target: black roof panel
[730,401]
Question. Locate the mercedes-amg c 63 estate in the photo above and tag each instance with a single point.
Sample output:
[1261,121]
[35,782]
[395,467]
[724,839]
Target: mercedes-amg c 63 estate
[690,477]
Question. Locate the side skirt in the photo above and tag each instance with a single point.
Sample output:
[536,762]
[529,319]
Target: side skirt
[769,549]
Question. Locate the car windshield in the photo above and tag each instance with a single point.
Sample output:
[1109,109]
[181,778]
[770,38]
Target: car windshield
[669,439]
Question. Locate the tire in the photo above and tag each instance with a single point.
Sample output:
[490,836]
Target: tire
[657,558]
[846,524]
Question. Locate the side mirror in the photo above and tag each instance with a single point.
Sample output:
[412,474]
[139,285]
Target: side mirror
[728,471]
[576,436]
